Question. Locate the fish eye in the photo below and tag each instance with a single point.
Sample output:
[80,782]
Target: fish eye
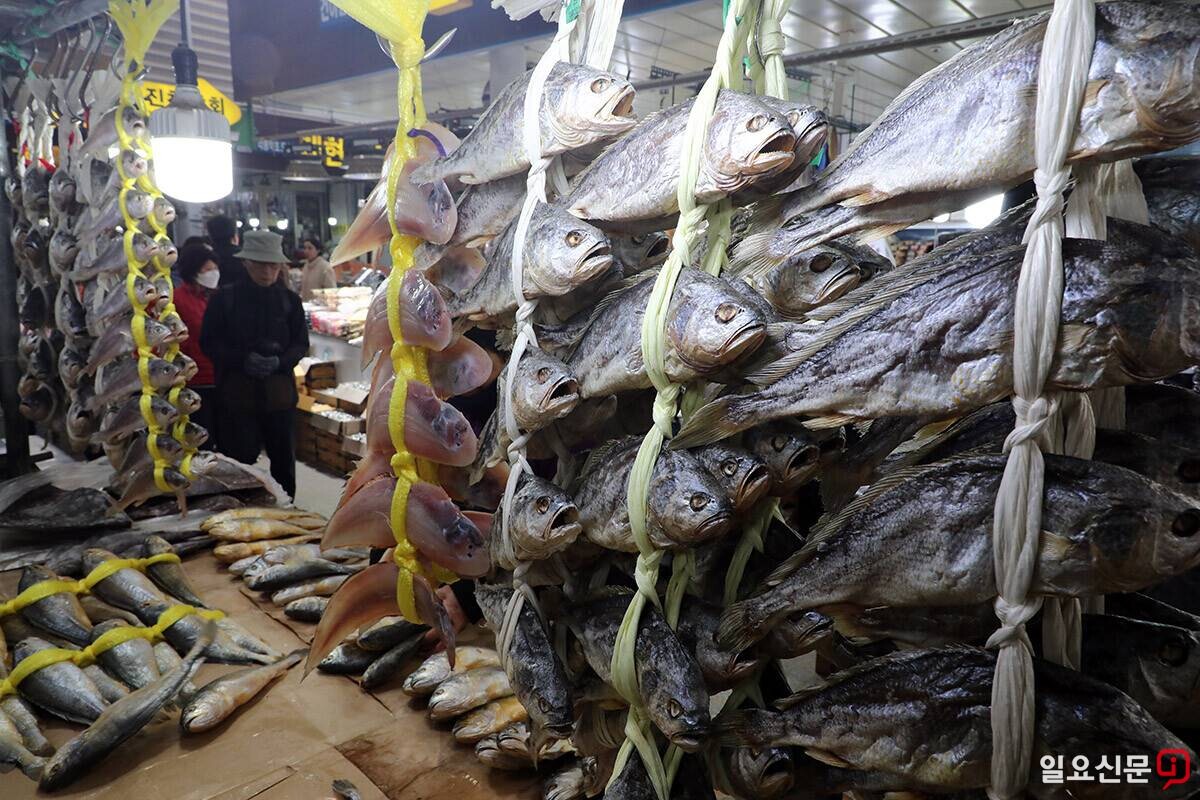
[793,117]
[729,467]
[1189,471]
[544,705]
[698,501]
[1187,523]
[778,443]
[638,238]
[600,84]
[726,312]
[756,123]
[674,709]
[574,238]
[542,504]
[821,263]
[543,374]
[1174,652]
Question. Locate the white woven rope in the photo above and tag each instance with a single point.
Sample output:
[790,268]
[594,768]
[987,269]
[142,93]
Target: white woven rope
[602,35]
[1062,76]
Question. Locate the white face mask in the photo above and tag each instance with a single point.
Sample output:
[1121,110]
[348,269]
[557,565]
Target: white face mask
[210,279]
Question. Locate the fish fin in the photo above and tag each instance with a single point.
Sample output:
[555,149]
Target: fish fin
[754,727]
[1053,548]
[778,369]
[740,626]
[866,198]
[826,757]
[752,256]
[795,698]
[505,338]
[369,231]
[720,419]
[827,422]
[363,598]
[878,231]
[433,613]
[1092,90]
[481,520]
[600,456]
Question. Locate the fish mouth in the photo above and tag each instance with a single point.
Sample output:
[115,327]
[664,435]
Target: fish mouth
[658,251]
[801,466]
[811,139]
[737,669]
[595,262]
[561,399]
[620,108]
[688,741]
[565,526]
[841,283]
[714,526]
[774,154]
[753,487]
[744,340]
[776,777]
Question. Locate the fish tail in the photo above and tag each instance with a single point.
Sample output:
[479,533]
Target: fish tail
[743,624]
[754,256]
[362,599]
[33,767]
[721,419]
[754,728]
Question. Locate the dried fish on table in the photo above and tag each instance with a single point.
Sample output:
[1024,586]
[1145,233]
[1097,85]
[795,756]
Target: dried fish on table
[61,689]
[464,691]
[214,702]
[491,718]
[120,721]
[306,609]
[436,669]
[323,587]
[59,613]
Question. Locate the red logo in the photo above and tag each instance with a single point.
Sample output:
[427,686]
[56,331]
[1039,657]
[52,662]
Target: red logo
[1175,765]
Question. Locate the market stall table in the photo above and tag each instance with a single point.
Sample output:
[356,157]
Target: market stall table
[290,743]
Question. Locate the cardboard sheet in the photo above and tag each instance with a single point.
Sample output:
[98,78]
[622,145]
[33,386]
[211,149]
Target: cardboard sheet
[290,742]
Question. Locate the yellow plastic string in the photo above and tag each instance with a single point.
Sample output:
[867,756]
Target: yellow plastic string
[107,641]
[400,23]
[44,589]
[139,21]
[145,22]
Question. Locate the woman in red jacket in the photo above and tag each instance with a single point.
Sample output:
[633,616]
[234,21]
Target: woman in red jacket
[199,275]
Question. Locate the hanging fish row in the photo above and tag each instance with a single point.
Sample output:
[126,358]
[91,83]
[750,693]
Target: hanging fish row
[816,362]
[76,309]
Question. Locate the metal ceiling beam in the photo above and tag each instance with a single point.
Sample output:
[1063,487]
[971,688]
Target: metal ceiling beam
[971,29]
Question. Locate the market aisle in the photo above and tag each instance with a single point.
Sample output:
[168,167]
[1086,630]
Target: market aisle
[315,490]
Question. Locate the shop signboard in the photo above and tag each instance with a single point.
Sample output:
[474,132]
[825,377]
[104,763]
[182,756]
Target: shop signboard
[158,95]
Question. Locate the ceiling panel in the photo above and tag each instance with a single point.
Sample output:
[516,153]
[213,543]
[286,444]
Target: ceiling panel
[684,38]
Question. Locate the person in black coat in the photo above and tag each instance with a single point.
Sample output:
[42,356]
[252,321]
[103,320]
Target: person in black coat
[254,332]
[223,233]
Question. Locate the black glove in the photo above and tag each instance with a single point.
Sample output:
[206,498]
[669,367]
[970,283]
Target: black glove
[259,366]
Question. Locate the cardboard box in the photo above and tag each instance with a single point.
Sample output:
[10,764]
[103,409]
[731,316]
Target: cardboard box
[355,445]
[325,396]
[316,374]
[351,398]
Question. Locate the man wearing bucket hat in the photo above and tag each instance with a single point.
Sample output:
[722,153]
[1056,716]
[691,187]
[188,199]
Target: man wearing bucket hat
[254,332]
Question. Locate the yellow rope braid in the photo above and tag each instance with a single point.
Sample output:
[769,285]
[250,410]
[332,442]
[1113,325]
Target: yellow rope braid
[400,23]
[139,23]
[638,730]
[44,589]
[107,641]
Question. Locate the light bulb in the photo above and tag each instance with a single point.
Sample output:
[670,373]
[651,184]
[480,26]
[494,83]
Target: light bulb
[332,221]
[239,223]
[193,169]
[255,222]
[983,212]
[282,224]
